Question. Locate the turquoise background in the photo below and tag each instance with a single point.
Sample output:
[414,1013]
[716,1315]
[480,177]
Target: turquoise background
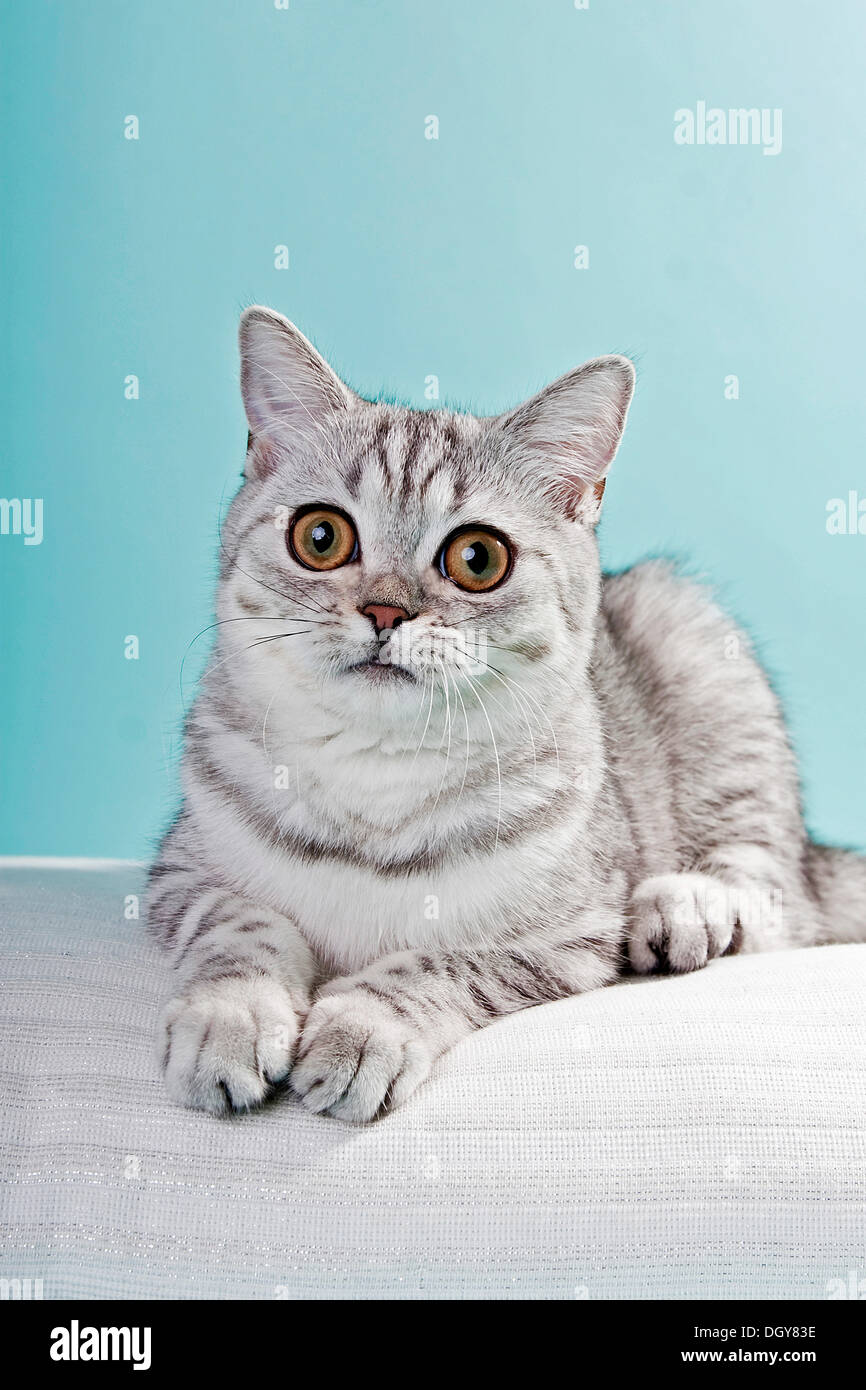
[408,257]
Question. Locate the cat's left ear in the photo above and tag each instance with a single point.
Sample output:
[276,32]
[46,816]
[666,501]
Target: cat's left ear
[287,387]
[566,436]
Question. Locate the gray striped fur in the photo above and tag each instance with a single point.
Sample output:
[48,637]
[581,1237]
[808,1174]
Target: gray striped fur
[365,870]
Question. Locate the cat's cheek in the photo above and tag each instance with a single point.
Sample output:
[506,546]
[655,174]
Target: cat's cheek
[358,1058]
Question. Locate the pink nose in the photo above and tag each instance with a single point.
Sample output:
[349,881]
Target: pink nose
[384,617]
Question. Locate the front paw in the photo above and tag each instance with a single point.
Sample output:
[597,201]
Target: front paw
[680,921]
[226,1043]
[358,1057]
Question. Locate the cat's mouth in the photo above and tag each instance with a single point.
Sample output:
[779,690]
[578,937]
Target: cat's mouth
[376,670]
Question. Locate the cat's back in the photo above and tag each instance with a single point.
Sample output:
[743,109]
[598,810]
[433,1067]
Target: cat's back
[690,660]
[670,623]
[686,703]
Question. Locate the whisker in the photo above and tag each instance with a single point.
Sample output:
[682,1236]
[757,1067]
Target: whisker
[548,671]
[510,651]
[427,725]
[523,708]
[448,749]
[447,724]
[496,756]
[526,695]
[275,618]
[423,827]
[415,724]
[468,739]
[311,607]
[275,637]
[234,562]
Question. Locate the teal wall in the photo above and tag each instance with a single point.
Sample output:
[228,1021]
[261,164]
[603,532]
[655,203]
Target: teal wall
[410,257]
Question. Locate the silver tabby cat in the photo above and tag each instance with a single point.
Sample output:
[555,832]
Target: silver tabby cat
[439,768]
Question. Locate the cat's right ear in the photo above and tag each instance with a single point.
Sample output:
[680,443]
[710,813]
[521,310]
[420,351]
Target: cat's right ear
[564,439]
[287,387]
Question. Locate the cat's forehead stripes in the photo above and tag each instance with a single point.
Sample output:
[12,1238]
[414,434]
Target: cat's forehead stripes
[402,455]
[420,446]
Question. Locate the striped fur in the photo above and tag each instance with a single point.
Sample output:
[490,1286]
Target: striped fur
[368,867]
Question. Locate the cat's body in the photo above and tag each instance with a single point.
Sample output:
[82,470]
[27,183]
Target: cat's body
[556,776]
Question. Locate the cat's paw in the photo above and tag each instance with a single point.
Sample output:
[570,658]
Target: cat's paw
[677,922]
[226,1043]
[357,1057]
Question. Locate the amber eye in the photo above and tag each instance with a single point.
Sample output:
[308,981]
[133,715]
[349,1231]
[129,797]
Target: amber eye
[322,539]
[475,558]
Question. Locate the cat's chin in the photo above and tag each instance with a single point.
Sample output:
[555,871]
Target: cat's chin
[380,673]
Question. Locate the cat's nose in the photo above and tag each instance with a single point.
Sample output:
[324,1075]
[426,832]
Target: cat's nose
[384,616]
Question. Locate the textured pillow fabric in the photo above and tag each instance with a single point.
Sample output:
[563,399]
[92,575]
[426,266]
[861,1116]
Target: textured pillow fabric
[684,1138]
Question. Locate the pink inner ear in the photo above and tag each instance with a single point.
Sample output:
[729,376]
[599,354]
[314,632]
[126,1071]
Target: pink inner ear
[575,493]
[573,487]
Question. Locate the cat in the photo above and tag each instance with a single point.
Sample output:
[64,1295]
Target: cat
[440,768]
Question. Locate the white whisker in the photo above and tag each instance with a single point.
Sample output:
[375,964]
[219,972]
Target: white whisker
[496,756]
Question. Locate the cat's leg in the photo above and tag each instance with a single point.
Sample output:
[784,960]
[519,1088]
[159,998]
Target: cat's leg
[244,980]
[734,900]
[370,1038]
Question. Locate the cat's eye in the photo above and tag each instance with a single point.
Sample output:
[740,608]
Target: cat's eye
[475,558]
[321,538]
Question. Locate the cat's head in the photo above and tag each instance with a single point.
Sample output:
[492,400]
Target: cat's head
[412,553]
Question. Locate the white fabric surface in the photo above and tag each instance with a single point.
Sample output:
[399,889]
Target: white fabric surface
[683,1138]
